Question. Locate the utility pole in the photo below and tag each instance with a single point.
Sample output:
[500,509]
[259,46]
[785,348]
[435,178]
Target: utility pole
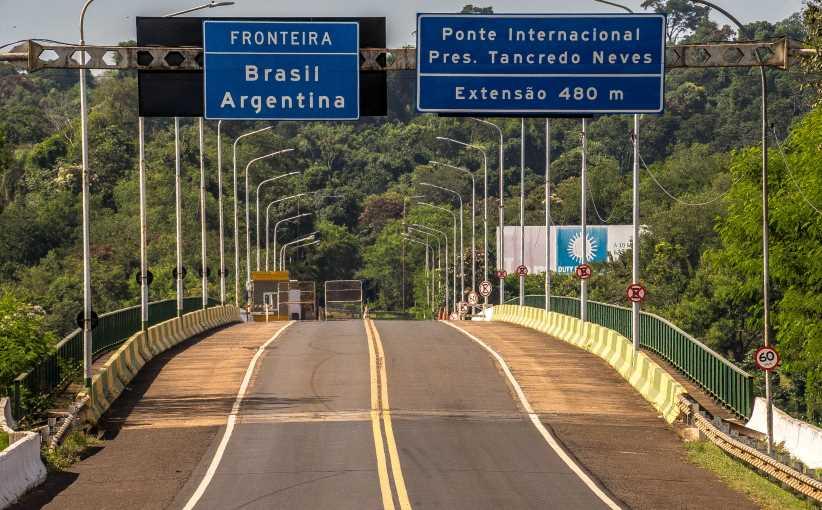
[522,210]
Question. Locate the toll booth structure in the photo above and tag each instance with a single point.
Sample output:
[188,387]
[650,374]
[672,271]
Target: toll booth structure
[263,305]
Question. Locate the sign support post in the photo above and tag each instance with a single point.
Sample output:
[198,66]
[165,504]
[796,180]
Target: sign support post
[547,215]
[635,243]
[583,283]
[522,210]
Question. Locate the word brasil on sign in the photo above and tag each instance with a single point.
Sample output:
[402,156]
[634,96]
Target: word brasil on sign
[281,70]
[540,63]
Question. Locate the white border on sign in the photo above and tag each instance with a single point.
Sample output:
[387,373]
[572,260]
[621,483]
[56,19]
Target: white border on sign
[661,74]
[325,119]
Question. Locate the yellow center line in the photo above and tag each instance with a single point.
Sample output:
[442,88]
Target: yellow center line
[396,468]
[382,466]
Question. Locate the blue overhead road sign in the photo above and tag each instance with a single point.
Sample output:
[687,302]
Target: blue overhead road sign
[281,70]
[540,64]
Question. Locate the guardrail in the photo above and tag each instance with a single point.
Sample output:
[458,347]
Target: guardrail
[726,382]
[56,369]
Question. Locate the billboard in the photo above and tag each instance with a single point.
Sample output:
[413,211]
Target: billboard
[603,242]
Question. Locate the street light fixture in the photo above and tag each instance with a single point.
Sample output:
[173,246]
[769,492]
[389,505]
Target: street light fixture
[407,237]
[766,334]
[473,216]
[277,226]
[236,214]
[309,237]
[454,247]
[462,247]
[501,253]
[268,228]
[438,252]
[485,201]
[431,230]
[248,212]
[257,208]
[209,5]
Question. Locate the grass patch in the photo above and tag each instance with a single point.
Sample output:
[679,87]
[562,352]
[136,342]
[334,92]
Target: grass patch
[74,446]
[4,441]
[769,495]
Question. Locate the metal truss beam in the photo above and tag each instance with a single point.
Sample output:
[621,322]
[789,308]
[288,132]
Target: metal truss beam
[780,53]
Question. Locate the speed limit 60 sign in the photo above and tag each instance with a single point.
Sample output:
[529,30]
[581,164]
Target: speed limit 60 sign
[766,358]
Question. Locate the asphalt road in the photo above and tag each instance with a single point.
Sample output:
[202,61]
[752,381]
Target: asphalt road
[404,415]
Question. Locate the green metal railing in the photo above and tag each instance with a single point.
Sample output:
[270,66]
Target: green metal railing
[716,375]
[56,369]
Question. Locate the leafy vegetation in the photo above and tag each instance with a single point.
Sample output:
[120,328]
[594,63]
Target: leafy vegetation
[702,264]
[767,494]
[4,441]
[76,445]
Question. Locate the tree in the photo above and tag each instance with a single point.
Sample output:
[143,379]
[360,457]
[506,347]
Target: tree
[23,338]
[684,17]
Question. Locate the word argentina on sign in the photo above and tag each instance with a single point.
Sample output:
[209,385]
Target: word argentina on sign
[280,70]
[532,64]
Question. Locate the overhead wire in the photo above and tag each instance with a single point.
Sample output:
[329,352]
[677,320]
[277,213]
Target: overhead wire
[790,172]
[677,199]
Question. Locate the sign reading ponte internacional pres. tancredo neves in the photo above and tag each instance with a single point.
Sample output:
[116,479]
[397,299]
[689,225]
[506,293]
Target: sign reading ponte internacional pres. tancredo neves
[281,70]
[550,64]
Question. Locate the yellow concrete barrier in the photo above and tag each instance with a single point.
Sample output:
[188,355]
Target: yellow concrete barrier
[656,385]
[125,362]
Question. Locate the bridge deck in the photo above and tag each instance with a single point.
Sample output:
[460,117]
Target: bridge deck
[607,425]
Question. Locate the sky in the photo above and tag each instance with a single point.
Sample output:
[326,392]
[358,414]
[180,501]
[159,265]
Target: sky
[112,21]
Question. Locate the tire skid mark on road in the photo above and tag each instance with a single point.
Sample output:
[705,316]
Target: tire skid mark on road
[380,408]
[535,420]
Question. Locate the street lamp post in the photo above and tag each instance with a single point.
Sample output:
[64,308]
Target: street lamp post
[277,226]
[484,204]
[435,231]
[438,254]
[583,240]
[248,213]
[462,247]
[257,208]
[236,215]
[453,247]
[406,237]
[308,237]
[766,326]
[547,215]
[522,211]
[501,253]
[87,347]
[220,209]
[267,227]
[203,253]
[473,218]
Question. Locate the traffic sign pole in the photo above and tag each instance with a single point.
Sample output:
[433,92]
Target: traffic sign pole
[522,211]
[583,284]
[547,215]
[635,248]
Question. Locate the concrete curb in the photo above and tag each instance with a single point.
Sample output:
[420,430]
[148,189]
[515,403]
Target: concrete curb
[649,379]
[140,348]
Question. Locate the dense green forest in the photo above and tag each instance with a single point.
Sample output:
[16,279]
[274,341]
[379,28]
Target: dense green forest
[701,257]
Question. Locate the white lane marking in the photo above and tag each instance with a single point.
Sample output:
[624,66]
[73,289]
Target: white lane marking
[232,418]
[549,438]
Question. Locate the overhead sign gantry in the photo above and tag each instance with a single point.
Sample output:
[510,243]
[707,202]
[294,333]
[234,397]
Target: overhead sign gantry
[540,64]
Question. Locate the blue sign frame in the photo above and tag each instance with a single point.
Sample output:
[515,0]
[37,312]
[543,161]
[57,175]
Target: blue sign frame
[281,70]
[536,64]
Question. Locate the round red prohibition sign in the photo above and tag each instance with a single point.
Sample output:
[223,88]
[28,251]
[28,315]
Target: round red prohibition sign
[766,358]
[501,273]
[636,293]
[522,270]
[584,271]
[485,288]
